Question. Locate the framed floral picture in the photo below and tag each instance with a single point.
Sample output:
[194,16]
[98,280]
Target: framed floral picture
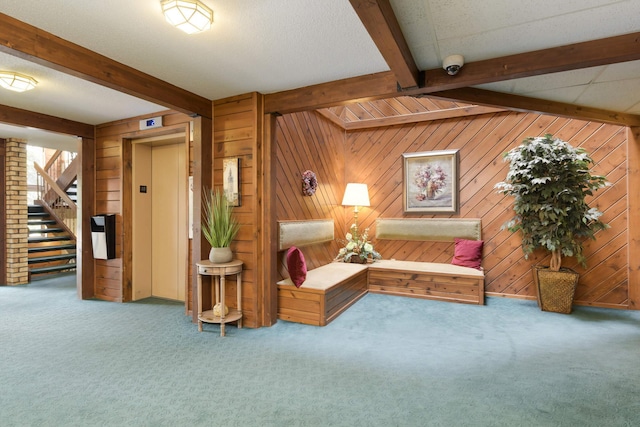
[231,180]
[431,182]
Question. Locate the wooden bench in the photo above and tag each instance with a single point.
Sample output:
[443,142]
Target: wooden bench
[329,289]
[332,288]
[438,281]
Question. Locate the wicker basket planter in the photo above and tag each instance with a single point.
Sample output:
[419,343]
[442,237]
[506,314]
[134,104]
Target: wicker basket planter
[555,289]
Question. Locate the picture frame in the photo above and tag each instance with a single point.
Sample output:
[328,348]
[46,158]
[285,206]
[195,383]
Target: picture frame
[231,180]
[431,182]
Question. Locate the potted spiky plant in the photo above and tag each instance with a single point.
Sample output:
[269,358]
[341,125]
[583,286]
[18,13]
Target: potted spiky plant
[219,225]
[550,181]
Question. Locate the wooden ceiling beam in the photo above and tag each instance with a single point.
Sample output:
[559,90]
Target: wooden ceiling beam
[338,92]
[610,50]
[526,104]
[439,84]
[381,23]
[17,116]
[28,42]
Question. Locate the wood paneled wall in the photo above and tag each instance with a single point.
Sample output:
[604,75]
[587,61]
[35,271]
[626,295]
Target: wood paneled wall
[237,128]
[237,132]
[307,141]
[113,157]
[374,157]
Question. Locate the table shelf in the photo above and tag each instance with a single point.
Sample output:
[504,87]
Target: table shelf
[208,316]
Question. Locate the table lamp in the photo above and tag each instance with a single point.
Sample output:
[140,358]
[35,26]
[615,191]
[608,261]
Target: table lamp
[356,195]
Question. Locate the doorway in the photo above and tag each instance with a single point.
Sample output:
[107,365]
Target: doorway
[160,217]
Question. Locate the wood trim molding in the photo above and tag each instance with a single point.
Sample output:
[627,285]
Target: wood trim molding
[633,220]
[202,178]
[381,23]
[473,110]
[332,117]
[85,264]
[526,104]
[268,238]
[33,44]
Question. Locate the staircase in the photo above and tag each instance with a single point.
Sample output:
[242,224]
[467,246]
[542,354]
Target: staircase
[72,191]
[52,218]
[51,247]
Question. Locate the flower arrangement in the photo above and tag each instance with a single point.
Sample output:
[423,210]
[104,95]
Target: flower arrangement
[430,179]
[357,248]
[309,183]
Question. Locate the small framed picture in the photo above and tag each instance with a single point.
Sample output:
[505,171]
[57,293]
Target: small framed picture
[231,180]
[431,182]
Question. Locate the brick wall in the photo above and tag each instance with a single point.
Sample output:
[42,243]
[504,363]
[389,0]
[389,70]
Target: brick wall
[16,204]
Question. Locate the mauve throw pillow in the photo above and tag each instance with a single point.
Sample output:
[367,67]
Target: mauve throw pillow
[468,253]
[297,266]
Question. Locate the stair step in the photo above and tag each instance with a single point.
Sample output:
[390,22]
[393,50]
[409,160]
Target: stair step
[42,270]
[48,239]
[38,214]
[37,249]
[46,230]
[42,222]
[34,208]
[51,258]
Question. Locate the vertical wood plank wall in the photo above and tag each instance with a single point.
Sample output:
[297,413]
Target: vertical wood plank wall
[374,156]
[112,278]
[237,125]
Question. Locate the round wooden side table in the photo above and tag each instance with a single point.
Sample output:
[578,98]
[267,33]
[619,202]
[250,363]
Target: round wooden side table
[218,273]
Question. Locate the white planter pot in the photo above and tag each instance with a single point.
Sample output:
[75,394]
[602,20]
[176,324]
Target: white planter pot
[220,255]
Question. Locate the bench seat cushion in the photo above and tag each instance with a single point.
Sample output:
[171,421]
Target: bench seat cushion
[328,275]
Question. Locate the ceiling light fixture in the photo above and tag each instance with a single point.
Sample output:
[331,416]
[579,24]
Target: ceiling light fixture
[16,82]
[191,16]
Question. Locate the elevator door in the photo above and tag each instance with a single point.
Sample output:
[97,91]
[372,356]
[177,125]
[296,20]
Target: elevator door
[160,218]
[168,221]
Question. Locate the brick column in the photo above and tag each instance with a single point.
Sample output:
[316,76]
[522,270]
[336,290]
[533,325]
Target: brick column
[16,203]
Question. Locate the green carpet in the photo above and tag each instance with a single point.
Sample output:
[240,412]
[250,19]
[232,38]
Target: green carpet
[387,361]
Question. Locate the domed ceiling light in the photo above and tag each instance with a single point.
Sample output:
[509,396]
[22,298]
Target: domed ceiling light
[191,16]
[16,82]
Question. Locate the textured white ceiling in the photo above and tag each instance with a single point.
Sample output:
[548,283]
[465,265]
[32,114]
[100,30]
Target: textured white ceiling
[274,45]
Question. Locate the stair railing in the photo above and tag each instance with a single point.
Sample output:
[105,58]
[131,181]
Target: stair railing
[61,205]
[58,163]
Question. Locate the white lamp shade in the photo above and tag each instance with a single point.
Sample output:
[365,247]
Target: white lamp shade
[16,82]
[356,195]
[191,16]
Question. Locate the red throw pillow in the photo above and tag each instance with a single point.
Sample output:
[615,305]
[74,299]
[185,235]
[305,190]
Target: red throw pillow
[297,266]
[468,253]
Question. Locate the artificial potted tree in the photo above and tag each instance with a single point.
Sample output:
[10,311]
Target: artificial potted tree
[219,225]
[550,181]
